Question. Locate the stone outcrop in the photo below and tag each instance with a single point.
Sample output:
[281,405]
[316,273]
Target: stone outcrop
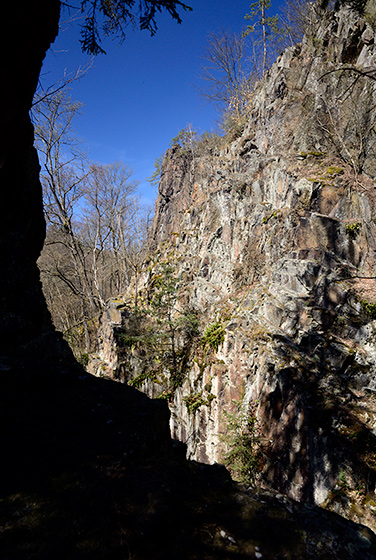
[24,320]
[90,471]
[88,468]
[273,237]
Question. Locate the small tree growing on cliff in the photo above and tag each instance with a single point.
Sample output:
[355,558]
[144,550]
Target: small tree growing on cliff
[156,175]
[164,334]
[241,443]
[265,28]
[296,17]
[186,139]
[173,322]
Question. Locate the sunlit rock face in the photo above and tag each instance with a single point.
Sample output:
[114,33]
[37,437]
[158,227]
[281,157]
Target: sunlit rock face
[274,236]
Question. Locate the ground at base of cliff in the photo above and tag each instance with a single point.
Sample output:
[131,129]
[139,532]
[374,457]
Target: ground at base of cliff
[89,471]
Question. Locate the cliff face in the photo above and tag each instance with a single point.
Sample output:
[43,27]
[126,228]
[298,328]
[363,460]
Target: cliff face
[89,469]
[273,239]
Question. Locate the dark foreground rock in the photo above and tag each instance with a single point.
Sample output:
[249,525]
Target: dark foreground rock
[89,471]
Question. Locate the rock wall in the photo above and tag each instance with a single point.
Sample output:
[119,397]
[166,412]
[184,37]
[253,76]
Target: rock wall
[24,319]
[73,458]
[274,237]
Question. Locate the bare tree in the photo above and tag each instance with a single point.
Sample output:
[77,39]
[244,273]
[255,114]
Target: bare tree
[63,179]
[62,84]
[226,70]
[108,221]
[296,17]
[137,249]
[92,214]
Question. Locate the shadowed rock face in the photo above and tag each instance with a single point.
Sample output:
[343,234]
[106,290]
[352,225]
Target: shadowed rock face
[89,471]
[26,34]
[274,236]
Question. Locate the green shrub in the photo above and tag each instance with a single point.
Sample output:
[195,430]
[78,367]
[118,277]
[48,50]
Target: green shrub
[317,154]
[266,219]
[194,144]
[241,441]
[84,359]
[138,381]
[370,14]
[353,229]
[369,308]
[162,335]
[167,395]
[156,175]
[214,336]
[334,171]
[194,402]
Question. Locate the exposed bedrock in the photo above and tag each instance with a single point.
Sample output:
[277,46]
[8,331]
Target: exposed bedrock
[274,237]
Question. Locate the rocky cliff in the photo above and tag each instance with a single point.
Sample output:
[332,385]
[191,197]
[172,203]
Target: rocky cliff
[271,240]
[88,468]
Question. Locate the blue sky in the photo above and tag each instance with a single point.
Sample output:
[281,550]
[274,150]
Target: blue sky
[141,93]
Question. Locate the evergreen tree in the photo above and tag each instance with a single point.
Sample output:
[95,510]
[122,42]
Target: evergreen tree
[265,27]
[111,17]
[156,175]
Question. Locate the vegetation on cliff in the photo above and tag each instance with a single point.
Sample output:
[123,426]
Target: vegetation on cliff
[89,469]
[272,229]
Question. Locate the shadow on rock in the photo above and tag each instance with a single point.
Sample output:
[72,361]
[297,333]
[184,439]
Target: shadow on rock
[89,471]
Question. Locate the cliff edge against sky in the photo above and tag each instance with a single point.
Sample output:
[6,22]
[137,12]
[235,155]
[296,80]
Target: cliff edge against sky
[272,238]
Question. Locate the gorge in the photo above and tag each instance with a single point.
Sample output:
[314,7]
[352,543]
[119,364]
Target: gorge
[265,248]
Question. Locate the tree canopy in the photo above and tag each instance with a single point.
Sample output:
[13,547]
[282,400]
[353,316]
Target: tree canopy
[111,17]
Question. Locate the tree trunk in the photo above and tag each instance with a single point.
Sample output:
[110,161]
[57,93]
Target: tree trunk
[264,46]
